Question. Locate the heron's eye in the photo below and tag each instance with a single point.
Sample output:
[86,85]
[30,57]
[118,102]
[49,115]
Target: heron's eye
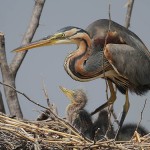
[60,35]
[63,34]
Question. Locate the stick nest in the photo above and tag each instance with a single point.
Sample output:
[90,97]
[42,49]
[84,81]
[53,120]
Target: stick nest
[54,134]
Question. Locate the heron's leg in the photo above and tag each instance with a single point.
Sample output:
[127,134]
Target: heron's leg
[110,101]
[125,109]
[124,113]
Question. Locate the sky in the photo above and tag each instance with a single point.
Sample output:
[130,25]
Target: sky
[46,63]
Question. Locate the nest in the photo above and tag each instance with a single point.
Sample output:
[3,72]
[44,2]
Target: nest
[55,133]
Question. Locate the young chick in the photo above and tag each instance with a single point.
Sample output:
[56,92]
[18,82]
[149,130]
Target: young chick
[103,127]
[127,132]
[76,114]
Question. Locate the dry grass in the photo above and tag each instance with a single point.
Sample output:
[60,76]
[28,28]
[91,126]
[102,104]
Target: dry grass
[55,134]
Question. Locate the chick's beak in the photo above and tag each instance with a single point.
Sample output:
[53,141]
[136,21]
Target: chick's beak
[68,93]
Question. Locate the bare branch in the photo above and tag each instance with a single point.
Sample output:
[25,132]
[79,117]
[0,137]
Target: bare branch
[141,115]
[34,23]
[110,109]
[129,12]
[50,105]
[46,113]
[11,96]
[9,72]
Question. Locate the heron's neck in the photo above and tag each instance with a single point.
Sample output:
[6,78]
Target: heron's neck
[75,61]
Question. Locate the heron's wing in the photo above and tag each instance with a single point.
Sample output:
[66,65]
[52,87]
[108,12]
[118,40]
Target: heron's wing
[103,29]
[130,38]
[129,62]
[97,62]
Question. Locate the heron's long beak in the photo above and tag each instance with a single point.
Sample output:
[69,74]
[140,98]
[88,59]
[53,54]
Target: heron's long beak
[68,93]
[58,38]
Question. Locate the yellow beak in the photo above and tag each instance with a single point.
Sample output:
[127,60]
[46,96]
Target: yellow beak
[57,38]
[39,43]
[68,93]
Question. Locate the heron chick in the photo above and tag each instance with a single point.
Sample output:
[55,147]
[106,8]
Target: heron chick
[103,126]
[76,114]
[128,130]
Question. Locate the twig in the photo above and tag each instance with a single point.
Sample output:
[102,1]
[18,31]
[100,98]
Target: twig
[45,91]
[109,116]
[46,114]
[129,12]
[103,51]
[110,108]
[136,134]
[114,115]
[141,115]
[51,106]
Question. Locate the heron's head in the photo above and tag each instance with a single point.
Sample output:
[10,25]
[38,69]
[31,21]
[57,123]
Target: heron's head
[75,96]
[67,35]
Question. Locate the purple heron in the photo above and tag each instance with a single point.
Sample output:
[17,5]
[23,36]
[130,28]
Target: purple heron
[105,50]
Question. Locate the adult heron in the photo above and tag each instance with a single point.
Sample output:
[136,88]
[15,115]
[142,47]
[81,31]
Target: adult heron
[104,50]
